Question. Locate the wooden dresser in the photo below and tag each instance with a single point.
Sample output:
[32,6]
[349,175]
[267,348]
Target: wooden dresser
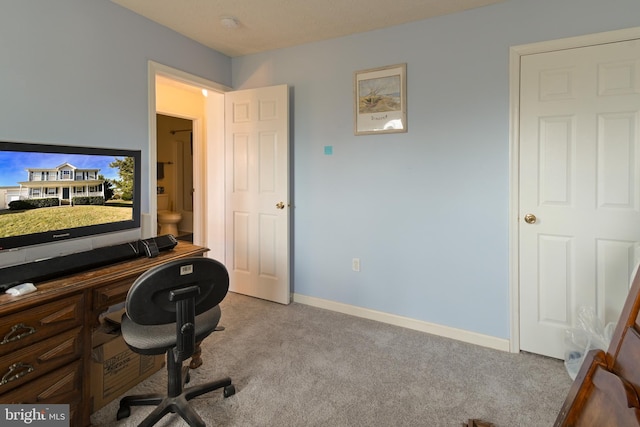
[45,336]
[606,391]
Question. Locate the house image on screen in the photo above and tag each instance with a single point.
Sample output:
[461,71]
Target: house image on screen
[63,182]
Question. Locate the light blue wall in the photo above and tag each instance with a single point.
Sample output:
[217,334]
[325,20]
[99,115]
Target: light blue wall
[75,72]
[426,211]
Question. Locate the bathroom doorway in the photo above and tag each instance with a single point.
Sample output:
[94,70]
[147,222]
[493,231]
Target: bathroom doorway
[174,139]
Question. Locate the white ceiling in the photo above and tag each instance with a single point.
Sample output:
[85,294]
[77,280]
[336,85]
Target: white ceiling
[271,24]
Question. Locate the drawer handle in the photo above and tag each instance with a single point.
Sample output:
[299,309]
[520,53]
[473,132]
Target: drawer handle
[23,369]
[8,338]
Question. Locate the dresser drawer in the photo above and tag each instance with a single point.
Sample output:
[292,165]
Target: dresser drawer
[60,386]
[32,362]
[114,293]
[64,386]
[26,327]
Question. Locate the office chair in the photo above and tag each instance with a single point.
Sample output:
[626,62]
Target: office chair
[168,309]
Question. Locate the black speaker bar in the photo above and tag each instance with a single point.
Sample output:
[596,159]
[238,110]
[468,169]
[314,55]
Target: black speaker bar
[52,268]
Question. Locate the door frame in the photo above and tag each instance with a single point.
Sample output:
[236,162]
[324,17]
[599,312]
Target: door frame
[515,54]
[205,147]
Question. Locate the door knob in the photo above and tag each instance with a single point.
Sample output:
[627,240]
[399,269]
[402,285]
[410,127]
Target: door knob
[530,219]
[280,205]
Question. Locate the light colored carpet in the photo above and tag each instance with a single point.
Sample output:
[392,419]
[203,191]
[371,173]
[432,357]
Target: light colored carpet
[298,365]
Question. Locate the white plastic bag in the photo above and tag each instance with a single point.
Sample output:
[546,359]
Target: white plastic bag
[589,334]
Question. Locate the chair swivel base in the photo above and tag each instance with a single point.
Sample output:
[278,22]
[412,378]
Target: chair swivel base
[177,404]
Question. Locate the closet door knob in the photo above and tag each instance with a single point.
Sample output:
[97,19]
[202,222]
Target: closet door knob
[530,219]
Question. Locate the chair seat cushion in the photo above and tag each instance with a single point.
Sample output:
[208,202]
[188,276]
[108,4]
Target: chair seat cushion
[157,339]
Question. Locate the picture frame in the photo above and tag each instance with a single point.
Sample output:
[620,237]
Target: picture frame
[380,104]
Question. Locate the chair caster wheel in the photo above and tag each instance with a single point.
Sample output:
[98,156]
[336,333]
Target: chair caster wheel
[229,390]
[123,412]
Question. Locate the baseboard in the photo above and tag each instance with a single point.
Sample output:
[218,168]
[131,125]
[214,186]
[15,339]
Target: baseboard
[406,322]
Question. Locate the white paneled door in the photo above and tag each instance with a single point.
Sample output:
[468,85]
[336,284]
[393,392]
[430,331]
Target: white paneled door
[257,193]
[579,207]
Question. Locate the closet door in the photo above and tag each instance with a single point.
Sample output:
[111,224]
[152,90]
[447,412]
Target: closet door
[579,207]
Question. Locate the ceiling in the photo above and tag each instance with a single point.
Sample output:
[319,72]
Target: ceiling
[272,24]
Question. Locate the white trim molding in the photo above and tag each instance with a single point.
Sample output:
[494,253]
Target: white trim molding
[515,55]
[209,128]
[406,322]
[155,68]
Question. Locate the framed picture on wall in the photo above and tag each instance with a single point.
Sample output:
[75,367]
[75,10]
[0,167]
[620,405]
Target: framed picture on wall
[381,100]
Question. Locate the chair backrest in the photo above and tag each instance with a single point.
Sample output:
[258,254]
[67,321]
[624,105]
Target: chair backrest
[149,299]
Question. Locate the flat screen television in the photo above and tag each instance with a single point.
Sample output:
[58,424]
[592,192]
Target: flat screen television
[51,193]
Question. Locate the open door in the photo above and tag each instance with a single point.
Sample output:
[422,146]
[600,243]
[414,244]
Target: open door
[257,192]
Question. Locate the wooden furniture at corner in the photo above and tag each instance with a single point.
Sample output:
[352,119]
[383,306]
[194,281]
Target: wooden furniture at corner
[477,423]
[45,336]
[606,391]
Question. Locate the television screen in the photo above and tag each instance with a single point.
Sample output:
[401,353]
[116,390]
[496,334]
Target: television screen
[50,193]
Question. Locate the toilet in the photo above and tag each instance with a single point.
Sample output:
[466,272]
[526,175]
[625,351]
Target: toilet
[167,219]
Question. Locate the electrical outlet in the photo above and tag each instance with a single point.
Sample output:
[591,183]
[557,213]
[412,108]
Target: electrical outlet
[355,264]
